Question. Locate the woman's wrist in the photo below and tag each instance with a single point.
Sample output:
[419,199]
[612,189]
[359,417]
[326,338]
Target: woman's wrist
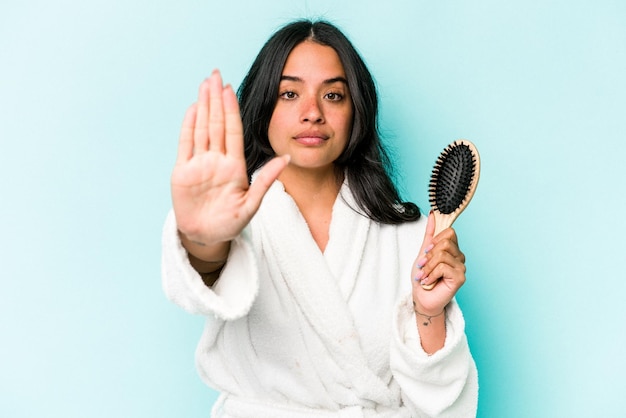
[210,254]
[431,311]
[427,317]
[208,261]
[431,327]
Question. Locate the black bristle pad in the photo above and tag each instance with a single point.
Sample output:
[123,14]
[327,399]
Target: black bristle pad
[451,178]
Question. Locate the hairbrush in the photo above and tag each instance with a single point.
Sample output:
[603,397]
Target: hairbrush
[452,184]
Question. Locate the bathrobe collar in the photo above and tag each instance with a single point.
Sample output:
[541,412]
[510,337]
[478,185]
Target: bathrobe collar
[322,282]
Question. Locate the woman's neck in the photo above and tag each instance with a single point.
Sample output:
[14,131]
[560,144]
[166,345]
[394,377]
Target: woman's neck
[308,185]
[314,192]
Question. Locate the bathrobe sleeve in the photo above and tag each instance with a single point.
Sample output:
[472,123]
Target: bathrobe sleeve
[444,384]
[233,293]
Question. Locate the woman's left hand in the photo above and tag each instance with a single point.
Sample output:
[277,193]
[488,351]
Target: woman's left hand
[441,262]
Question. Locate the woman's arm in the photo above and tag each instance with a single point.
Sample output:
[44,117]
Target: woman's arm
[208,270]
[441,261]
[211,195]
[442,384]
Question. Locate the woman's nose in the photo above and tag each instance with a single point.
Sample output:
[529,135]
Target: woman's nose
[312,111]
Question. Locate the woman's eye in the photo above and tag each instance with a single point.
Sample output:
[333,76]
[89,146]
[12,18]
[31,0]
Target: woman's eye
[288,95]
[335,97]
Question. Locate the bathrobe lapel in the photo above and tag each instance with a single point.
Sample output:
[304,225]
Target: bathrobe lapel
[345,248]
[321,283]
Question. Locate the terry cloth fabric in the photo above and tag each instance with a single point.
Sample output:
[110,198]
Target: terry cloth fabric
[291,331]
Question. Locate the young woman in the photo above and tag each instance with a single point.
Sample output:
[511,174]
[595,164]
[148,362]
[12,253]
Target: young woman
[289,235]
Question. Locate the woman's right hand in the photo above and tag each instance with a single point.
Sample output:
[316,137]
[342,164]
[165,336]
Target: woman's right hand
[211,196]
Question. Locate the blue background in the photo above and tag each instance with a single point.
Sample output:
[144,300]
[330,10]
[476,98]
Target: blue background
[92,94]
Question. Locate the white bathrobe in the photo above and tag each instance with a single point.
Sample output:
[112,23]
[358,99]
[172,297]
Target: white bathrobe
[293,332]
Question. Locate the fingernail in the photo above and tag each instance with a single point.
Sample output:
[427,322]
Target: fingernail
[424,280]
[422,262]
[419,275]
[430,247]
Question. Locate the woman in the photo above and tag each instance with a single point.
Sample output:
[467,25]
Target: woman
[289,235]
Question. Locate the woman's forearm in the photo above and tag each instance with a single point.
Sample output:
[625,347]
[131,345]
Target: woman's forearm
[432,331]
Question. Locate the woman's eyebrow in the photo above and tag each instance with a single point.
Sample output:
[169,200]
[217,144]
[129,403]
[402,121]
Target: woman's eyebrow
[328,81]
[291,78]
[336,80]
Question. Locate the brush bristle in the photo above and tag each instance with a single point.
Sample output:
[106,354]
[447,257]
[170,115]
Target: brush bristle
[451,178]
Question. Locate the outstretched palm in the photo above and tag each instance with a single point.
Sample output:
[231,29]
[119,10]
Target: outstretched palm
[211,196]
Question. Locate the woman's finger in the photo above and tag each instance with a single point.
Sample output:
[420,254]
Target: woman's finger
[201,129]
[264,181]
[427,241]
[446,234]
[185,141]
[234,126]
[447,272]
[454,261]
[448,246]
[216,113]
[427,245]
[444,252]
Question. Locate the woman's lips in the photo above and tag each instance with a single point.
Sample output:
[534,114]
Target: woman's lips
[311,138]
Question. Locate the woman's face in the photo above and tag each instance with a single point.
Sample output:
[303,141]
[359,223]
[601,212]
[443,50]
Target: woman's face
[312,119]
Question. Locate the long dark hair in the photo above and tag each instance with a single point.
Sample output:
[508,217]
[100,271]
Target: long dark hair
[365,161]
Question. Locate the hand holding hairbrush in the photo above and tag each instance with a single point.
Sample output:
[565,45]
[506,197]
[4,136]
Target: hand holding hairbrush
[452,184]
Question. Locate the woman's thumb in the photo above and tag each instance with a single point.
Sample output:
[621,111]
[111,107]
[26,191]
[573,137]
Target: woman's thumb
[268,174]
[430,232]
